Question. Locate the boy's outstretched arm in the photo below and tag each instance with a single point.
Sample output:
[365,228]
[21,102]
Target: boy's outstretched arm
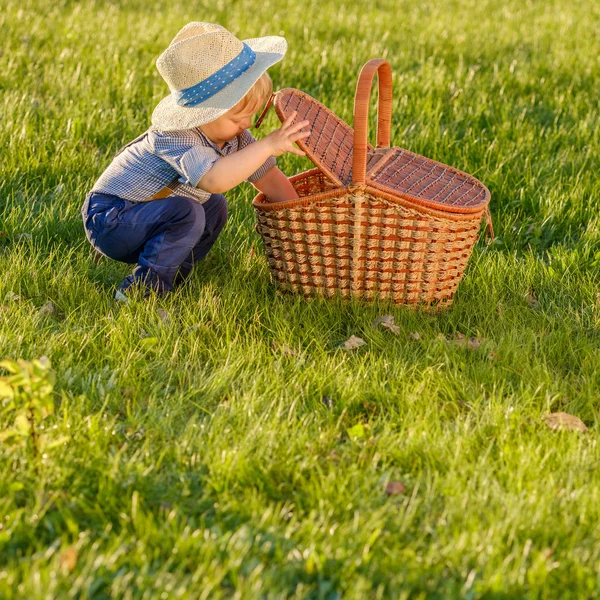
[231,170]
[275,186]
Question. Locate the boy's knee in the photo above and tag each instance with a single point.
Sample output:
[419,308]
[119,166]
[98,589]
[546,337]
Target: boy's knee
[185,211]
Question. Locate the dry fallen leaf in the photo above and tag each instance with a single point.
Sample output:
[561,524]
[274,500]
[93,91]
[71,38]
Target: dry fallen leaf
[564,421]
[414,336]
[164,316]
[352,343]
[334,456]
[531,299]
[132,434]
[68,558]
[369,406]
[283,348]
[47,309]
[327,401]
[473,343]
[388,322]
[395,488]
[12,297]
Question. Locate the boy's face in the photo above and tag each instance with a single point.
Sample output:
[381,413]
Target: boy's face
[227,126]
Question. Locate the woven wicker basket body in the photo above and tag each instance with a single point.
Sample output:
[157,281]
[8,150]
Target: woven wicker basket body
[369,222]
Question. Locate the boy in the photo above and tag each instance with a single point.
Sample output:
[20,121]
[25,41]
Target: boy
[159,203]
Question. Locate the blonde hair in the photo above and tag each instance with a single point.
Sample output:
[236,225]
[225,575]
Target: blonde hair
[258,94]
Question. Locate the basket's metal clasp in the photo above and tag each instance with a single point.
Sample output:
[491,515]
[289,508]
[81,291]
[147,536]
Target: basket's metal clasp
[264,112]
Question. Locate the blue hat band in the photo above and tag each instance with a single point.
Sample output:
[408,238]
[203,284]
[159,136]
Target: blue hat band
[220,79]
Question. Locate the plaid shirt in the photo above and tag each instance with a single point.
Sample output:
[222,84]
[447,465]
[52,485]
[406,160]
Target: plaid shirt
[178,158]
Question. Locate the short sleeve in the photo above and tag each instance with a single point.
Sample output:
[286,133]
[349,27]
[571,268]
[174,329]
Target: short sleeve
[191,161]
[246,139]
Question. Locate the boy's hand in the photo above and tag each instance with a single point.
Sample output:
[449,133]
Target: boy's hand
[282,140]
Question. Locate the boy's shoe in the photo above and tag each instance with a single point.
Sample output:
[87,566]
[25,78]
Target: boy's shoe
[129,285]
[120,296]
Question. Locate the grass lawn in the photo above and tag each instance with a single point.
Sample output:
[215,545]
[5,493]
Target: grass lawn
[218,443]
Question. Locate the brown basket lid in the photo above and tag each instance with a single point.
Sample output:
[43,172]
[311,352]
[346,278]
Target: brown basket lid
[428,182]
[394,171]
[329,145]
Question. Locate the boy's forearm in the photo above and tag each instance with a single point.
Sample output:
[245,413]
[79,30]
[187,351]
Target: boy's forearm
[276,186]
[231,170]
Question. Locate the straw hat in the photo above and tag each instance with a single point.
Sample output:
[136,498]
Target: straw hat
[208,71]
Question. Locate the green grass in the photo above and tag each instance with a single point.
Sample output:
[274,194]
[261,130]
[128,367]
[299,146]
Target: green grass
[208,465]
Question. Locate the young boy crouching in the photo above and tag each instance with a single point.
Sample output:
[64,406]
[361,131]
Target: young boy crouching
[159,204]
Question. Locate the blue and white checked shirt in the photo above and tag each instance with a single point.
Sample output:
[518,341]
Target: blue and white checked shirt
[179,158]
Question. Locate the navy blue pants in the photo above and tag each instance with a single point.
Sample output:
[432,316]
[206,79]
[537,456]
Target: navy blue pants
[164,237]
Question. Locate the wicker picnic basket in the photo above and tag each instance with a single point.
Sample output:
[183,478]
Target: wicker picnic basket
[369,222]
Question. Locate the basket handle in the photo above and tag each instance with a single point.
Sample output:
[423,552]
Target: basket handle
[361,114]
